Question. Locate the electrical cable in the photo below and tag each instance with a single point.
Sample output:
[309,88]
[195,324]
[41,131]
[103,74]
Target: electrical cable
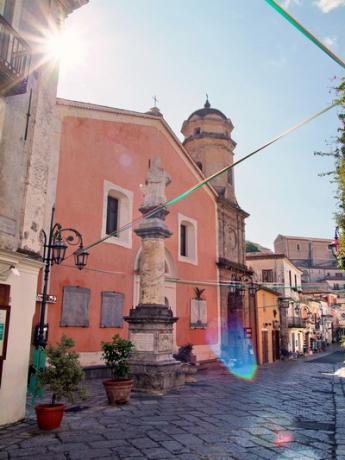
[288,16]
[208,179]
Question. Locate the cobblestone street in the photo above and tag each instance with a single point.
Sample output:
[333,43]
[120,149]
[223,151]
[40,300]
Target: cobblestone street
[293,409]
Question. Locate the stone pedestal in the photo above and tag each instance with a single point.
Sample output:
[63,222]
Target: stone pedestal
[151,323]
[153,367]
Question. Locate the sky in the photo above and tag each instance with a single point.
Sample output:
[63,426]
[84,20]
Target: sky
[256,68]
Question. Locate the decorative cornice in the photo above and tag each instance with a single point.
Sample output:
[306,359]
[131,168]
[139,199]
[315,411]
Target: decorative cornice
[70,5]
[230,265]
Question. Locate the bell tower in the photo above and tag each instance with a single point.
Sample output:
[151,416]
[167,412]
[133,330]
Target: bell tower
[208,140]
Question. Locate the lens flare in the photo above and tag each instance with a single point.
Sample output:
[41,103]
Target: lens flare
[66,46]
[238,356]
[282,438]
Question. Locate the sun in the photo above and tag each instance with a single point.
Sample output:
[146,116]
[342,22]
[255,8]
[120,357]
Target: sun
[65,46]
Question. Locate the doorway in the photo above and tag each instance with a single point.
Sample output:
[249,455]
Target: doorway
[264,336]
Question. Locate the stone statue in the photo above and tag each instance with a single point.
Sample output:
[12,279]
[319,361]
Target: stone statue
[156,181]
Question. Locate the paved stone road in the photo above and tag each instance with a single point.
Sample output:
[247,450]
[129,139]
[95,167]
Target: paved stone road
[292,410]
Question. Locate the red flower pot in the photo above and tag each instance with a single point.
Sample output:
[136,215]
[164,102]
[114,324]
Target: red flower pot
[49,416]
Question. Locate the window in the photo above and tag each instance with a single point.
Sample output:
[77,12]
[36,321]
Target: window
[117,212]
[112,215]
[296,281]
[290,278]
[267,276]
[230,176]
[183,240]
[187,244]
[197,130]
[298,247]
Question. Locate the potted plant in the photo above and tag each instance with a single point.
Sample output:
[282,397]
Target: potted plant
[116,355]
[188,359]
[62,378]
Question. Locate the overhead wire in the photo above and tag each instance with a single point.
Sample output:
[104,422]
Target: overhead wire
[288,16]
[208,179]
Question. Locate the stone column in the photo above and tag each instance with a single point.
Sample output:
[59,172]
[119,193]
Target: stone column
[151,322]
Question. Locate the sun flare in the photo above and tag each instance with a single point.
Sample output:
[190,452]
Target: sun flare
[66,46]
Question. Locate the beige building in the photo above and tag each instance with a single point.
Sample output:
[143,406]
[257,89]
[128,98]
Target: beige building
[208,140]
[277,272]
[268,325]
[312,255]
[29,141]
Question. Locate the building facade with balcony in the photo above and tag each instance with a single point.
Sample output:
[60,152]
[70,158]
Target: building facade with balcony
[29,140]
[278,272]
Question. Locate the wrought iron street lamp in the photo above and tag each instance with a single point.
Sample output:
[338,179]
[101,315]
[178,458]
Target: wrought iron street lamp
[252,289]
[55,245]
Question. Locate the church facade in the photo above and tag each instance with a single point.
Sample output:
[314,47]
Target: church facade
[105,154]
[104,158]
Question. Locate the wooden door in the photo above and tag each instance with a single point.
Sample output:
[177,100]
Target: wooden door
[4,294]
[264,335]
[275,345]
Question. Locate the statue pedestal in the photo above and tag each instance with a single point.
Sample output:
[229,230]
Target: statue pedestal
[153,368]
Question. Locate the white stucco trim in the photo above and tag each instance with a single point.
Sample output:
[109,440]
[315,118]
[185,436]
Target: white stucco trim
[192,239]
[125,212]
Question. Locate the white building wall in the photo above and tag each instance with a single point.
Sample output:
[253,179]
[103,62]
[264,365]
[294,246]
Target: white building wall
[15,367]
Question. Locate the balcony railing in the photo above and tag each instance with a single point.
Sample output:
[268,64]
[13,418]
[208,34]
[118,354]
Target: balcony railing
[14,60]
[296,322]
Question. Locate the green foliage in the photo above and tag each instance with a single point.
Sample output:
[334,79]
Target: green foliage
[342,342]
[64,373]
[339,154]
[251,247]
[116,355]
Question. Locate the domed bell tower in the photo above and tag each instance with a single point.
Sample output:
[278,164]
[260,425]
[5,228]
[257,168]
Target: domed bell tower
[208,140]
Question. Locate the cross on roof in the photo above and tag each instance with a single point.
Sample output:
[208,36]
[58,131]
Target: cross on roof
[155,100]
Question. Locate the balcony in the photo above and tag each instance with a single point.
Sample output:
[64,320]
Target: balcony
[296,322]
[14,61]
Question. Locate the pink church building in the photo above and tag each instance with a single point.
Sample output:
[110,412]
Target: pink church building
[104,158]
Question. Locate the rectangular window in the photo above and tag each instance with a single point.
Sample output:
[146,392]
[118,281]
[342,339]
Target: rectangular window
[112,215]
[290,278]
[183,237]
[296,281]
[230,177]
[267,276]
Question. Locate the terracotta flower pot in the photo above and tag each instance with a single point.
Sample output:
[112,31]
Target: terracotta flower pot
[189,370]
[49,416]
[118,391]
